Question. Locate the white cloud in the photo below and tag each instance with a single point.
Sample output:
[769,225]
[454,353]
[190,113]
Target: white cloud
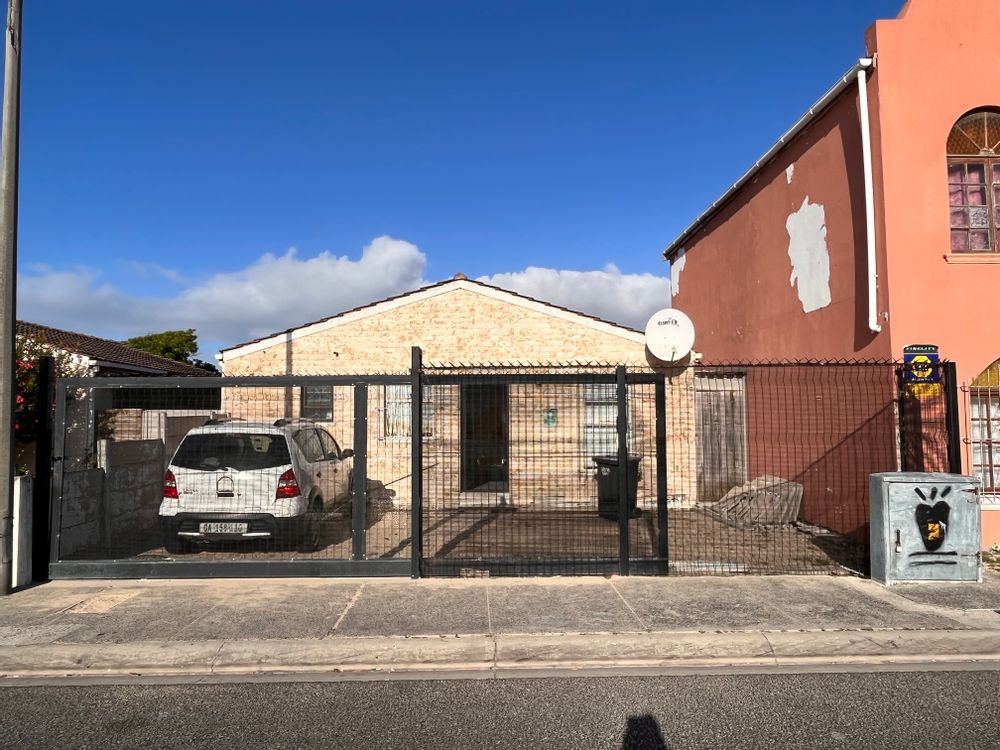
[271,294]
[627,298]
[155,269]
[276,292]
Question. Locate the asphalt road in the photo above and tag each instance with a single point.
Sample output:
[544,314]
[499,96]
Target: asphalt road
[911,710]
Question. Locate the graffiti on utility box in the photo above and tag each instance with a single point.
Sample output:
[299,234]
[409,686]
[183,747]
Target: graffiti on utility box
[933,519]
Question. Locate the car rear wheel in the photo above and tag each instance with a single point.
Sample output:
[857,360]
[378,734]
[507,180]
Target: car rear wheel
[312,527]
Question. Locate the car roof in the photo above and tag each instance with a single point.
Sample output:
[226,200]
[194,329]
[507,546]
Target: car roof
[266,428]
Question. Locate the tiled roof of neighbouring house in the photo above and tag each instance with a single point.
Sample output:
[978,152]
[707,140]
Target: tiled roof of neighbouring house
[103,350]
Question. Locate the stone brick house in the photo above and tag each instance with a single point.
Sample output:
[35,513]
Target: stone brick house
[485,443]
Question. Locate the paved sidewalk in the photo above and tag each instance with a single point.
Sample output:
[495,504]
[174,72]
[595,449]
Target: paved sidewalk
[92,628]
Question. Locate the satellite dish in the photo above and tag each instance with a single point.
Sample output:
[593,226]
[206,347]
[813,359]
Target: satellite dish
[669,335]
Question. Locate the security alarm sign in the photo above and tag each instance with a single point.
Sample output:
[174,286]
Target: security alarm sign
[921,364]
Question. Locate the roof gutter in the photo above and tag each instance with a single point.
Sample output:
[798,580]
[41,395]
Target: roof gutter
[854,75]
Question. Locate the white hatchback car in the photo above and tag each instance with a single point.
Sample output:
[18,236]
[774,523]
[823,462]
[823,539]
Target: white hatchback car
[235,480]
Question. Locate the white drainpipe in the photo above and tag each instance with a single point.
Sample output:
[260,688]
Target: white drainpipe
[866,158]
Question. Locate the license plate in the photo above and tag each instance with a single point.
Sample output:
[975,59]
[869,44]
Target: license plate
[222,528]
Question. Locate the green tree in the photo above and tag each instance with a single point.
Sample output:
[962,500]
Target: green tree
[180,346]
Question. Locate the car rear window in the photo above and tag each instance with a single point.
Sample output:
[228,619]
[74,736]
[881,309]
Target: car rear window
[243,451]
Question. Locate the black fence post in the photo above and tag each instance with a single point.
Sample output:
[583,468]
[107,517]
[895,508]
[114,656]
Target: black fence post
[624,506]
[359,510]
[952,418]
[417,461]
[904,464]
[43,471]
[662,519]
[58,464]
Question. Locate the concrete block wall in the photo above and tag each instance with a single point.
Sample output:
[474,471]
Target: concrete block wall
[118,498]
[133,486]
[81,523]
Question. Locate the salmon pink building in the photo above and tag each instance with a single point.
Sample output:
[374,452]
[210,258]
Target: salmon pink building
[873,224]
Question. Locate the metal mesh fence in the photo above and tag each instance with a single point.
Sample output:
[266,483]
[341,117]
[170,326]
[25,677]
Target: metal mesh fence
[555,469]
[730,469]
[241,469]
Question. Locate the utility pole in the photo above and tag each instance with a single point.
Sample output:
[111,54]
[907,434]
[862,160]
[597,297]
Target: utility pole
[8,281]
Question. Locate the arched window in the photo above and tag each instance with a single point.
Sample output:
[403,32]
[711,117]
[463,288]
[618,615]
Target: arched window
[974,182]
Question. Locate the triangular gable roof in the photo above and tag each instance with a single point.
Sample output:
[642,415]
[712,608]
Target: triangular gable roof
[106,351]
[427,292]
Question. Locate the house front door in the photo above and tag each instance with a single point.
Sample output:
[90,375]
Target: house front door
[485,415]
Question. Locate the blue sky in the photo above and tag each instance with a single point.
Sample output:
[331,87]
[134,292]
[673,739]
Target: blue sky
[173,153]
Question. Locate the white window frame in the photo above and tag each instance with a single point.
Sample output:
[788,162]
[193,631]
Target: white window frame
[316,389]
[397,399]
[600,418]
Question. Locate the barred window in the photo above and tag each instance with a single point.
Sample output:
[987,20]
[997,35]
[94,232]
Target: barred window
[985,437]
[398,411]
[317,402]
[600,420]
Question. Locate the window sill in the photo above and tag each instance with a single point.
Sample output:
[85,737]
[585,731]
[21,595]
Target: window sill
[972,258]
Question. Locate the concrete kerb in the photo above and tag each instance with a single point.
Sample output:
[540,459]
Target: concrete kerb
[495,654]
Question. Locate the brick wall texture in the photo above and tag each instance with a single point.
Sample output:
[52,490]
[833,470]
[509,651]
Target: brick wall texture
[459,326]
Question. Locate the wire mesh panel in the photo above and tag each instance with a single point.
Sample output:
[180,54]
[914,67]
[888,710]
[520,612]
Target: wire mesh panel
[730,469]
[389,472]
[780,457]
[923,419]
[233,470]
[509,474]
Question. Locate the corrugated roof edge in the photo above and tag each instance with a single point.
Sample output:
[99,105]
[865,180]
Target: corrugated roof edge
[423,289]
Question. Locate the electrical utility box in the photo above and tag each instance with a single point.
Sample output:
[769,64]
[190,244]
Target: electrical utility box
[924,527]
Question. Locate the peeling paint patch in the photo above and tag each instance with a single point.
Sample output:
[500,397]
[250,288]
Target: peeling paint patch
[676,266]
[789,172]
[809,255]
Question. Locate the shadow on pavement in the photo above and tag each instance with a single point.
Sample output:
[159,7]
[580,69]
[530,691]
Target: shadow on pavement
[643,733]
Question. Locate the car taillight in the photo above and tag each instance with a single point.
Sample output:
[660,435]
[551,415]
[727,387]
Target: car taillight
[170,485]
[287,485]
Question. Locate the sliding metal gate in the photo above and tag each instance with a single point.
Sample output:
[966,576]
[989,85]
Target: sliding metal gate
[221,445]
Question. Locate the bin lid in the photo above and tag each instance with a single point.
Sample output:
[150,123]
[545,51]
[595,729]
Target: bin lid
[613,460]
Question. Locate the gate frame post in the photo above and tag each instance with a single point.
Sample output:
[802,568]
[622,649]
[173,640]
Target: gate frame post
[58,466]
[952,422]
[623,472]
[900,374]
[662,511]
[41,503]
[359,509]
[417,461]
